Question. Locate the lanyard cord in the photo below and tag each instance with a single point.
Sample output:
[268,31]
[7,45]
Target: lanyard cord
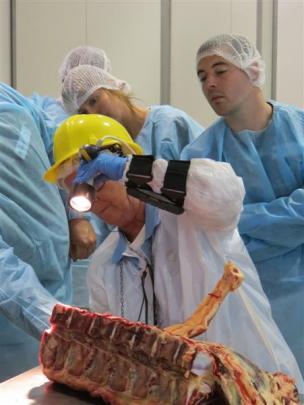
[151,273]
[145,300]
[121,291]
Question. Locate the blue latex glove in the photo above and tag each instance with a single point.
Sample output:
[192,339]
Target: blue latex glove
[105,167]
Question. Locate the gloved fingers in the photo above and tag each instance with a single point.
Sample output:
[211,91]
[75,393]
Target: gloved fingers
[99,181]
[110,165]
[86,171]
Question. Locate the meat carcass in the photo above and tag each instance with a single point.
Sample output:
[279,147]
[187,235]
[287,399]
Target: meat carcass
[132,363]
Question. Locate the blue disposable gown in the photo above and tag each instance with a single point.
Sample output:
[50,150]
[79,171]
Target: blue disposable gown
[34,236]
[51,106]
[166,131]
[271,163]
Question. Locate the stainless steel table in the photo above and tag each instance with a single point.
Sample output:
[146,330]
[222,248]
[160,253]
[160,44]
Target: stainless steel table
[33,388]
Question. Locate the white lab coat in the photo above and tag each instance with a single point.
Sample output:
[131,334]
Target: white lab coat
[188,254]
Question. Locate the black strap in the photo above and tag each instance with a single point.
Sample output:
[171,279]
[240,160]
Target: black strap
[140,170]
[175,181]
[144,193]
[173,192]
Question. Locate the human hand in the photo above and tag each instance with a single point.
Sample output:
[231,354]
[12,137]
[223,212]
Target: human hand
[105,167]
[82,238]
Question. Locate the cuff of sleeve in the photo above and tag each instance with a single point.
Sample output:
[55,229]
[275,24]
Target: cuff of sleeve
[124,178]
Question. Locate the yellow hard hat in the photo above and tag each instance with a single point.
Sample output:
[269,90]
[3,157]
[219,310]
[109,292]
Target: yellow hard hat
[81,129]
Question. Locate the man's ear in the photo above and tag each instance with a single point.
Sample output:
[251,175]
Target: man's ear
[254,71]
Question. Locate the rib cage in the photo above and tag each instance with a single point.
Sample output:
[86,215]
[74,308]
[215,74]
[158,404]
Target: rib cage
[132,363]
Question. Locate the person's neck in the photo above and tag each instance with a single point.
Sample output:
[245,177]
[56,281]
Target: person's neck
[135,121]
[254,115]
[132,228]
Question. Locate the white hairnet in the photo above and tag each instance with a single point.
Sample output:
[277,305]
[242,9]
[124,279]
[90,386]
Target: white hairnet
[82,81]
[237,50]
[84,55]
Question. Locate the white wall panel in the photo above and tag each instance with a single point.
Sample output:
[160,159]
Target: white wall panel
[193,22]
[45,31]
[129,32]
[5,55]
[265,28]
[290,52]
[244,18]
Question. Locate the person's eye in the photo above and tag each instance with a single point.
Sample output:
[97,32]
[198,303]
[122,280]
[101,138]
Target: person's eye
[202,78]
[221,71]
[92,101]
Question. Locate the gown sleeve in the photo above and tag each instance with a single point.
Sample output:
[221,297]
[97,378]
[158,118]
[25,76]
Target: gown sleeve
[272,228]
[214,194]
[23,299]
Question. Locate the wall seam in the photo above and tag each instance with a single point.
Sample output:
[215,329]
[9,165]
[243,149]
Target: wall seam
[165,51]
[13,50]
[274,49]
[259,25]
[86,21]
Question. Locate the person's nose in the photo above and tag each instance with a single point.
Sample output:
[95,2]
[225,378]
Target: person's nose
[91,110]
[210,82]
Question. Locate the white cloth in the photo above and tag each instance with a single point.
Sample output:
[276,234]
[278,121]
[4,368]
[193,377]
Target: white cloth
[189,253]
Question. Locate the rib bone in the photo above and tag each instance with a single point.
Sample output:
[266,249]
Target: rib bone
[199,321]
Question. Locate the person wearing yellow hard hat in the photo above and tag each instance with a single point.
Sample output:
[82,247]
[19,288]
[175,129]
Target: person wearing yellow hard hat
[82,130]
[176,227]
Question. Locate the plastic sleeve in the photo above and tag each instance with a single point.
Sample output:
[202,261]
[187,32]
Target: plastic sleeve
[23,299]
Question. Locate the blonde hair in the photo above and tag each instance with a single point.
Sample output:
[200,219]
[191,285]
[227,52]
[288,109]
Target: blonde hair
[126,98]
